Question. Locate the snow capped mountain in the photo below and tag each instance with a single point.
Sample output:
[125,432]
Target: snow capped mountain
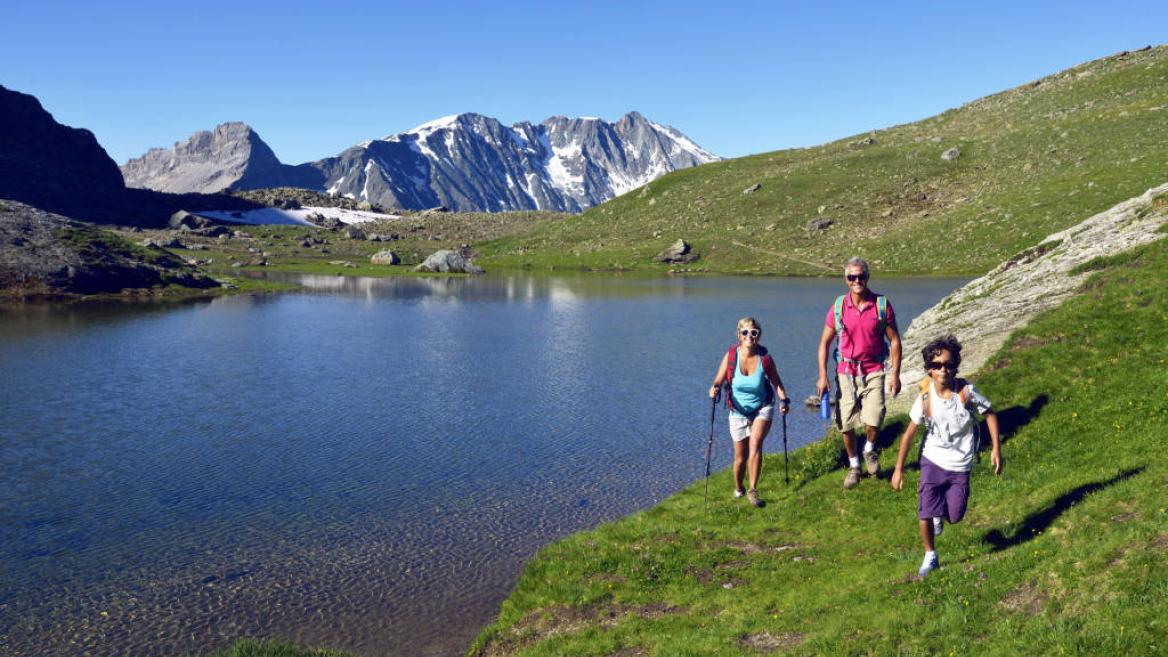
[472,162]
[466,162]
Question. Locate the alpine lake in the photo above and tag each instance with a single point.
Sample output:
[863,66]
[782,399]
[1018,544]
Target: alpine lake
[364,464]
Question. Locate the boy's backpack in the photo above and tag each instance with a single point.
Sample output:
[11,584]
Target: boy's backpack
[881,316]
[732,369]
[961,389]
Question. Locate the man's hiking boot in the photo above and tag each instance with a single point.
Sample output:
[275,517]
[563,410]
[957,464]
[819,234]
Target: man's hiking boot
[928,565]
[938,526]
[738,492]
[872,462]
[852,478]
[752,495]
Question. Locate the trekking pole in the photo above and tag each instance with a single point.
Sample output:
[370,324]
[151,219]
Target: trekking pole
[786,475]
[710,447]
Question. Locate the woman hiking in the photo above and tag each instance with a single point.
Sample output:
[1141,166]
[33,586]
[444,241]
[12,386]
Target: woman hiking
[754,383]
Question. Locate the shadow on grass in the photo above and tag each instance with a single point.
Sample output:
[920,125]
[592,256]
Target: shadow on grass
[1010,420]
[1039,521]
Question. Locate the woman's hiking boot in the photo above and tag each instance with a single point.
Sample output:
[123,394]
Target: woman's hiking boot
[938,526]
[852,478]
[738,492]
[752,495]
[872,462]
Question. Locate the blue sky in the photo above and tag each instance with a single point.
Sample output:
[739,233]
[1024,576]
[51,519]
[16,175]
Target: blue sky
[740,77]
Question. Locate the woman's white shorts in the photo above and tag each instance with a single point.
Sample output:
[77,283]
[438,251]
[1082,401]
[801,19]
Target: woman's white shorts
[740,425]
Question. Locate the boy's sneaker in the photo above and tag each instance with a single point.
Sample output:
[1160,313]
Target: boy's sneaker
[852,478]
[872,462]
[738,492]
[938,526]
[752,495]
[928,565]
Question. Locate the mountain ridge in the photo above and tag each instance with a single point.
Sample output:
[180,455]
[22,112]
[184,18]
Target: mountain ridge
[466,162]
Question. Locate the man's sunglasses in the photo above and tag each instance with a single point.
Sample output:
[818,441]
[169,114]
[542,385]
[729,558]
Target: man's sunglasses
[857,277]
[751,332]
[950,366]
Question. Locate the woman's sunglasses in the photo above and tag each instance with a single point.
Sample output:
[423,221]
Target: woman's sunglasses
[751,332]
[952,367]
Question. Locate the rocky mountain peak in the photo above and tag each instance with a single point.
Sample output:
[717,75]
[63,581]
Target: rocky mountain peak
[231,155]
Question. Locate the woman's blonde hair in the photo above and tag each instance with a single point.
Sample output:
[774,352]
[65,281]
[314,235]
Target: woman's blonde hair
[751,322]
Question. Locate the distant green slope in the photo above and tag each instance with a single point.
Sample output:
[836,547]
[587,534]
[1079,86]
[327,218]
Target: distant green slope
[1034,159]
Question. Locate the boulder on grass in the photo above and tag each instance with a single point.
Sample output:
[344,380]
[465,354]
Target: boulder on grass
[446,261]
[184,220]
[385,258]
[679,252]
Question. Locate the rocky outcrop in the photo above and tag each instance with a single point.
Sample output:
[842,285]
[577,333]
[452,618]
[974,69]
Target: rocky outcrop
[984,312]
[449,262]
[45,254]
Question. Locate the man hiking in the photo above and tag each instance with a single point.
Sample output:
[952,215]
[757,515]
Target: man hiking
[866,327]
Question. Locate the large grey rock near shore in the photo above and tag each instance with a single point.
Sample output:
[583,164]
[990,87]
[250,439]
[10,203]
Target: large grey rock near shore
[984,312]
[449,262]
[678,252]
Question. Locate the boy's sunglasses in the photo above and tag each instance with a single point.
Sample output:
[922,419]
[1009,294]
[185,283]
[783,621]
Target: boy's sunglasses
[857,277]
[952,367]
[751,332]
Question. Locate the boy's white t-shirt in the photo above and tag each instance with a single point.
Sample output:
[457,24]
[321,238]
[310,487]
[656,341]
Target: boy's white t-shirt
[952,439]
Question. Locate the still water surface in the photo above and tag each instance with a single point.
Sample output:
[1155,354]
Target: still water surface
[364,465]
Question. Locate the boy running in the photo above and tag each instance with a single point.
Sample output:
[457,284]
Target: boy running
[950,443]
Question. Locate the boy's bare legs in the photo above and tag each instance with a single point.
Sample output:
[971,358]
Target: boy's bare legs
[927,534]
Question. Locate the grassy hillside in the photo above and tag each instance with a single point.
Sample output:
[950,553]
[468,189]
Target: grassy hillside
[1034,160]
[1063,554]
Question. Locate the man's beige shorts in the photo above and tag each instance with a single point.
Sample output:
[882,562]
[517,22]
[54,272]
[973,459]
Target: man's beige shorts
[860,403]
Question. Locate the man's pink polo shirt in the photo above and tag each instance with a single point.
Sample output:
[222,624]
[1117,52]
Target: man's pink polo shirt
[861,338]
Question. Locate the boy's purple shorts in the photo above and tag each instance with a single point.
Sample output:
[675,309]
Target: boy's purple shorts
[943,493]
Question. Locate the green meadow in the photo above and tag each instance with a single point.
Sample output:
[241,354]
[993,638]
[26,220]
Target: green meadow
[1034,160]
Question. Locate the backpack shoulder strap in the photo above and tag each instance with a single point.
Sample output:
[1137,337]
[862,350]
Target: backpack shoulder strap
[881,308]
[839,314]
[926,399]
[731,367]
[963,392]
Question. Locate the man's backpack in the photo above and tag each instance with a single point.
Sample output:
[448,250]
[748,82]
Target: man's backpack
[881,316]
[765,362]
